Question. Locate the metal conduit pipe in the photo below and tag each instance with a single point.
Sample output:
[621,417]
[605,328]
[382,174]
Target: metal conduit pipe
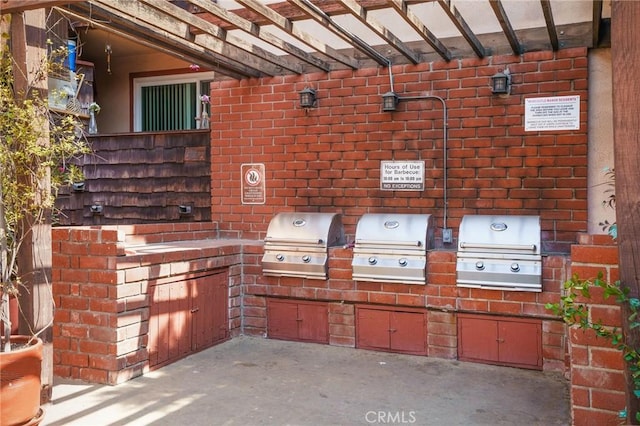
[446,232]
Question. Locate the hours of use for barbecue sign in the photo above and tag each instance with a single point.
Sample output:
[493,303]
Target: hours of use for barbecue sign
[253,186]
[402,175]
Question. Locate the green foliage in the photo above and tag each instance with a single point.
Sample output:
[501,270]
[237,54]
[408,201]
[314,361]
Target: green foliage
[610,202]
[576,314]
[37,149]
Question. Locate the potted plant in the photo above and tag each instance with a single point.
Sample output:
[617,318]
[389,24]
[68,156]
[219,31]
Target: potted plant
[36,147]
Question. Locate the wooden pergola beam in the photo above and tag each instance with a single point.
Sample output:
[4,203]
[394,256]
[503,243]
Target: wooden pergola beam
[287,26]
[503,19]
[11,6]
[383,32]
[462,26]
[402,8]
[551,26]
[255,30]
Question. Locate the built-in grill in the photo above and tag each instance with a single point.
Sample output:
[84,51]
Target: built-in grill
[297,244]
[500,253]
[392,248]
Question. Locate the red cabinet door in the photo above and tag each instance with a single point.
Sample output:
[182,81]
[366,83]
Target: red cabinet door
[519,343]
[282,318]
[313,322]
[209,310]
[169,325]
[477,339]
[296,320]
[186,316]
[407,332]
[391,330]
[373,329]
[515,342]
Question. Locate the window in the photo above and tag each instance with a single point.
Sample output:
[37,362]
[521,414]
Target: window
[169,102]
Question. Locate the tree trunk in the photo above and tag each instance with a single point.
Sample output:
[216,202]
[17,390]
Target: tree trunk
[34,261]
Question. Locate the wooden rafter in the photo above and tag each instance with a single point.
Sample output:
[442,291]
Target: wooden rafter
[503,19]
[11,6]
[402,8]
[211,30]
[255,30]
[126,23]
[287,26]
[175,52]
[361,14]
[315,13]
[551,27]
[597,18]
[461,25]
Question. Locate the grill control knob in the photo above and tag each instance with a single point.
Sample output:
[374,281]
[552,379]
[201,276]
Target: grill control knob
[515,267]
[480,266]
[306,258]
[403,262]
[373,261]
[280,257]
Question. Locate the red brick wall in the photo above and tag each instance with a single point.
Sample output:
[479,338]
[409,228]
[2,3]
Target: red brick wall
[100,288]
[597,369]
[328,158]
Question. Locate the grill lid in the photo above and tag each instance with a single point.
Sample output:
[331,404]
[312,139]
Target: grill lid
[305,229]
[517,235]
[392,248]
[297,244]
[394,231]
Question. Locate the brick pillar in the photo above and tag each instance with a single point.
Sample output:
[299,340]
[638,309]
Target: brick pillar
[597,369]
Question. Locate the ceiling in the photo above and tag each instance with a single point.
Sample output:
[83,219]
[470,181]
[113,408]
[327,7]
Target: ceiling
[251,38]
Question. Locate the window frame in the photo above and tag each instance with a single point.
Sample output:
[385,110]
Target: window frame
[140,82]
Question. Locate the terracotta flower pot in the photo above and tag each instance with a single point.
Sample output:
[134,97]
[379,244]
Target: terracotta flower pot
[20,382]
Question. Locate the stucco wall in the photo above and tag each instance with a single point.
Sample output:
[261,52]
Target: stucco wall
[600,138]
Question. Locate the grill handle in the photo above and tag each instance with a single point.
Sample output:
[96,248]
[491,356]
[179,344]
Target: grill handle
[293,240]
[390,243]
[527,247]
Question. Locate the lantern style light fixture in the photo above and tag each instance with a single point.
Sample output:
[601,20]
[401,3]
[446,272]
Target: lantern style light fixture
[390,101]
[501,83]
[308,98]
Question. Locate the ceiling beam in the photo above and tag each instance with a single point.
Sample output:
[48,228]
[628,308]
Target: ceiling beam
[176,52]
[316,14]
[159,36]
[402,8]
[161,25]
[287,26]
[255,30]
[11,6]
[503,19]
[457,19]
[361,14]
[597,19]
[551,27]
[211,30]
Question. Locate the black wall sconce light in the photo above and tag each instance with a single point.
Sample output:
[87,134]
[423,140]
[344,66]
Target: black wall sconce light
[501,83]
[308,98]
[390,101]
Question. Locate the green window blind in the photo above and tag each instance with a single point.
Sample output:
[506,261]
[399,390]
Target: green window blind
[169,107]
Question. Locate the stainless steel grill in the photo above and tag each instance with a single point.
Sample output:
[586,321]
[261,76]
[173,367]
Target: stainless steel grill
[297,244]
[392,248]
[500,253]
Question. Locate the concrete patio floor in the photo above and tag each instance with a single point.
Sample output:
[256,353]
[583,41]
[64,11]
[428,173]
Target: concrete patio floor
[254,381]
